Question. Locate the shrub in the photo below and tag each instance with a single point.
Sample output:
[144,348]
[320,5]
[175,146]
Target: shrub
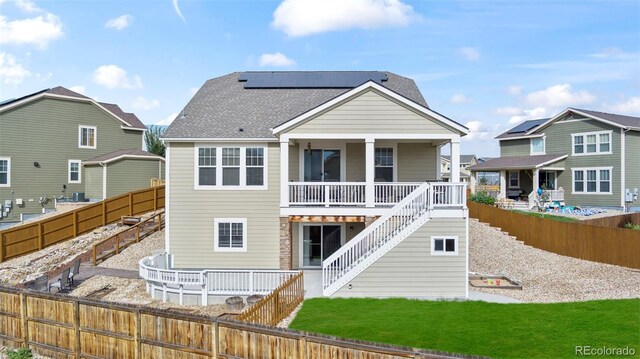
[632,226]
[483,197]
[22,353]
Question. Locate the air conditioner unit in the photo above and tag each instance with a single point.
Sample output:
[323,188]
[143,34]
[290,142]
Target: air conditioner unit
[7,203]
[19,202]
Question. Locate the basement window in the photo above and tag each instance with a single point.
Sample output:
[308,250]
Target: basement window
[444,245]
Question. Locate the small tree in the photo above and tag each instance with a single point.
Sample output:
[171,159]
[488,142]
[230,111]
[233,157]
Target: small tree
[153,141]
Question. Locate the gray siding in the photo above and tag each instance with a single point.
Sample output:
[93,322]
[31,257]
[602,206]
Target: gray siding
[93,182]
[46,131]
[371,112]
[558,140]
[294,163]
[409,269]
[356,170]
[130,174]
[191,216]
[632,140]
[515,148]
[417,162]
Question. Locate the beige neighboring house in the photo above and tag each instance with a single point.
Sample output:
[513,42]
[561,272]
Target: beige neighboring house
[336,173]
[466,161]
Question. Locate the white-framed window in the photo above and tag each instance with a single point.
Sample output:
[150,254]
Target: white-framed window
[444,245]
[537,146]
[591,143]
[5,171]
[514,179]
[230,167]
[384,164]
[75,171]
[230,234]
[87,136]
[595,180]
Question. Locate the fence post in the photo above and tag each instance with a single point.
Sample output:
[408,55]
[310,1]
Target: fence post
[104,212]
[23,320]
[40,236]
[155,198]
[118,243]
[1,247]
[77,328]
[75,224]
[136,336]
[138,233]
[303,347]
[130,204]
[215,339]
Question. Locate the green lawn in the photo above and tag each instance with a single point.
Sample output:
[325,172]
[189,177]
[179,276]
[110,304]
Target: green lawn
[548,216]
[490,329]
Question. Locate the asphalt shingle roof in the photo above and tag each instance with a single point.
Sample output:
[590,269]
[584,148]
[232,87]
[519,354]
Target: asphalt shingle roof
[223,106]
[629,121]
[515,162]
[127,116]
[463,158]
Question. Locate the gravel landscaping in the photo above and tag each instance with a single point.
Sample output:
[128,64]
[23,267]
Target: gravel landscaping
[545,276]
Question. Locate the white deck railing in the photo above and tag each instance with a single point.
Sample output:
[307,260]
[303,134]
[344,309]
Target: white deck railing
[393,192]
[448,194]
[555,195]
[327,193]
[208,282]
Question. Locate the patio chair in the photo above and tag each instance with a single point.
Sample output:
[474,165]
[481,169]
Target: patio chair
[63,282]
[42,283]
[74,270]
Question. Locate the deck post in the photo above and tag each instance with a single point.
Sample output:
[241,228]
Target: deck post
[455,160]
[284,172]
[370,172]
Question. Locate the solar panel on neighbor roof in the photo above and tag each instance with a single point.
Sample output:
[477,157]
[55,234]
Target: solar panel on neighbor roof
[255,80]
[527,125]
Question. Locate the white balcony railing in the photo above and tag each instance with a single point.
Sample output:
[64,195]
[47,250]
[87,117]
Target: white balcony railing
[555,195]
[207,282]
[327,193]
[392,193]
[448,194]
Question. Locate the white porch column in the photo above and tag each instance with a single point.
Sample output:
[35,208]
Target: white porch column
[439,162]
[536,179]
[473,178]
[370,173]
[455,160]
[503,185]
[284,173]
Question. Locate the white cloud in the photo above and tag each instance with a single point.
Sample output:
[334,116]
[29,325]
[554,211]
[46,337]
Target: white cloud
[628,107]
[38,31]
[459,98]
[112,76]
[275,59]
[532,114]
[11,72]
[142,103]
[508,111]
[559,96]
[478,131]
[176,8]
[469,53]
[514,90]
[27,6]
[120,22]
[167,121]
[306,17]
[79,89]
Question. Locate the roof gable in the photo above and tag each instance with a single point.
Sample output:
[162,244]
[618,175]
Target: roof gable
[370,108]
[620,121]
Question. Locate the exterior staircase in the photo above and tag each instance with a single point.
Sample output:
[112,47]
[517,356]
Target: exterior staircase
[381,236]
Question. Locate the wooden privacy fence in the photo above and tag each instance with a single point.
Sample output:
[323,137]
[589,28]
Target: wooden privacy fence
[61,326]
[127,237]
[31,237]
[575,239]
[276,306]
[615,221]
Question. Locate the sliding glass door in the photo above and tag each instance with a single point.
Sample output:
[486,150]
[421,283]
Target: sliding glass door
[321,165]
[319,242]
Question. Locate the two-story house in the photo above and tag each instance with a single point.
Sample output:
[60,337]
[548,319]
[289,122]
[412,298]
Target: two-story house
[466,161]
[580,157]
[47,138]
[323,171]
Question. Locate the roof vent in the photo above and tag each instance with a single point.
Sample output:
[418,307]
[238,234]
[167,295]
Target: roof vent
[241,129]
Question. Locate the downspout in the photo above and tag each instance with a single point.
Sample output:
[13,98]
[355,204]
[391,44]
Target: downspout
[104,180]
[623,170]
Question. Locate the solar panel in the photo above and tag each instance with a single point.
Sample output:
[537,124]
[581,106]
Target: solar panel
[346,79]
[527,125]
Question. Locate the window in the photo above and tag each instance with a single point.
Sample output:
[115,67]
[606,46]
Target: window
[230,234]
[75,173]
[537,146]
[384,165]
[5,172]
[255,166]
[514,179]
[87,137]
[444,245]
[592,180]
[230,168]
[591,143]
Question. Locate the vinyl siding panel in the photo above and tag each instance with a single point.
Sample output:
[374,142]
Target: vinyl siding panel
[46,131]
[632,140]
[515,148]
[93,182]
[129,175]
[417,162]
[294,163]
[356,171]
[409,269]
[192,212]
[558,140]
[371,112]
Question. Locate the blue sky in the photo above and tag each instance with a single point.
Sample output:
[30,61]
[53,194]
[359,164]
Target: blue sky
[488,65]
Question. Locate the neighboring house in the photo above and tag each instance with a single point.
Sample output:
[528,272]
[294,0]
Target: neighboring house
[47,137]
[582,157]
[466,161]
[284,170]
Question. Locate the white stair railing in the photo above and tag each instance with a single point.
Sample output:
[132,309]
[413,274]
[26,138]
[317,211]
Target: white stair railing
[376,240]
